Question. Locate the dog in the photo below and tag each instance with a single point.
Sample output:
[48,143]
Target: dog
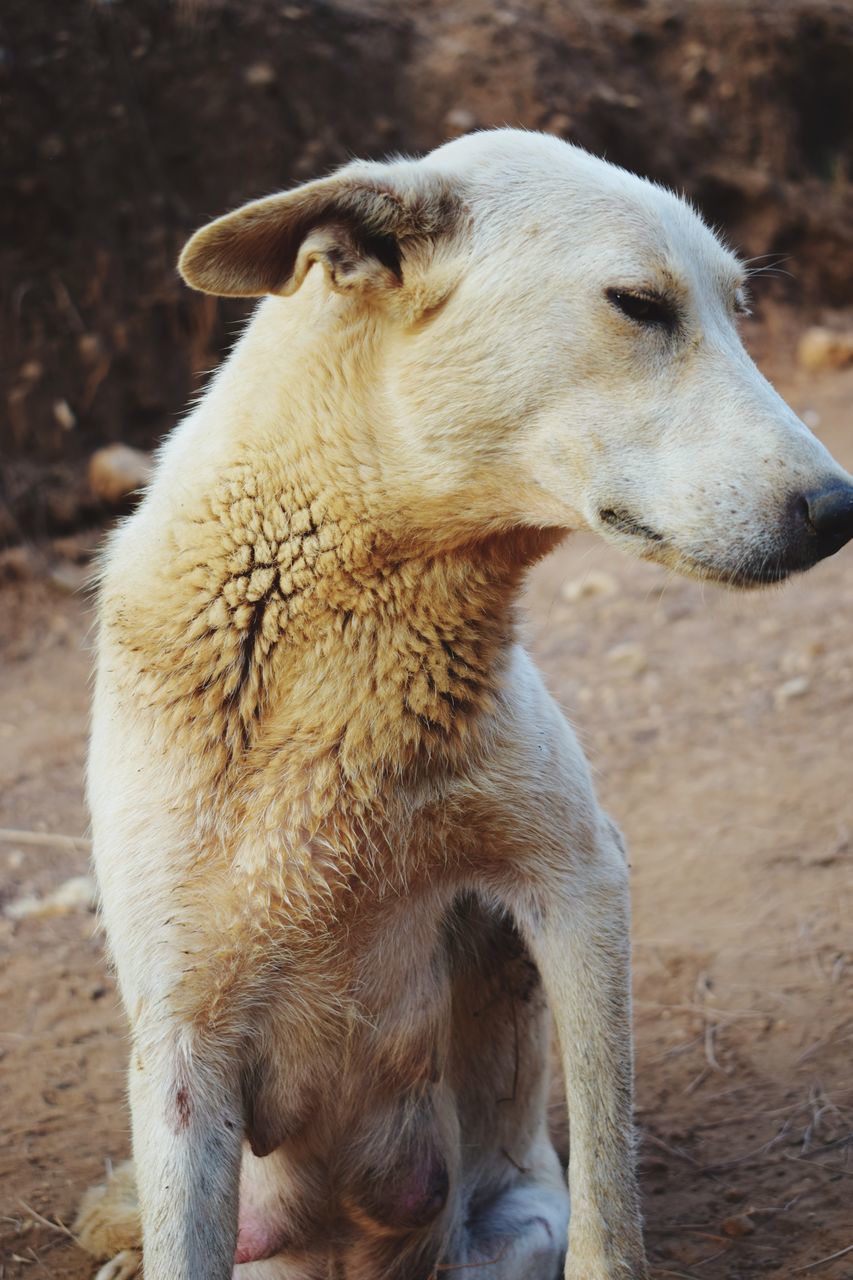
[350,857]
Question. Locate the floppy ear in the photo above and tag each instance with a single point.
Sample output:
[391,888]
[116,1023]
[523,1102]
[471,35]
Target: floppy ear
[356,224]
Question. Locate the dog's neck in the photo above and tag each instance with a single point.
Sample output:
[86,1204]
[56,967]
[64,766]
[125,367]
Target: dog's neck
[309,613]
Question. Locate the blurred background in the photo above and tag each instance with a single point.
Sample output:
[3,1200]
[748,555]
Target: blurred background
[720,727]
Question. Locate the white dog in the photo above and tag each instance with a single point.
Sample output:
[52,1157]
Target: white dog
[347,845]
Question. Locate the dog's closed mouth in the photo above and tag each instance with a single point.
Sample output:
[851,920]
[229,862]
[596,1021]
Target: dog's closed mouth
[623,521]
[748,576]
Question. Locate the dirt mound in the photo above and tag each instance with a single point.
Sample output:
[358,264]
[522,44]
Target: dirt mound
[128,125]
[745,106]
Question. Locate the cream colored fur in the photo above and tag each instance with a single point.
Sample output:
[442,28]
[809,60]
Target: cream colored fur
[347,845]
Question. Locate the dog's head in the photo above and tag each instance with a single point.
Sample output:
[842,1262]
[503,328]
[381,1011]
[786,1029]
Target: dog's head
[558,347]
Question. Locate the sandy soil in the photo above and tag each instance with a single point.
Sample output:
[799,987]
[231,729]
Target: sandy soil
[720,729]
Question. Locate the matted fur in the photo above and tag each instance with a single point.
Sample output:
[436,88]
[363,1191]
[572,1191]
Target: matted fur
[349,852]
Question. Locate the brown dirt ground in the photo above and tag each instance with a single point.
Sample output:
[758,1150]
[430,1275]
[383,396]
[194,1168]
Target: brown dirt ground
[720,729]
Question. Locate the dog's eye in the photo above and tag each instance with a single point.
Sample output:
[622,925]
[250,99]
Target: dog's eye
[742,307]
[644,308]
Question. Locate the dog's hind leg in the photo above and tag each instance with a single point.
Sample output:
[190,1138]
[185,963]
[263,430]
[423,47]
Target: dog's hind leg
[124,1266]
[108,1221]
[108,1225]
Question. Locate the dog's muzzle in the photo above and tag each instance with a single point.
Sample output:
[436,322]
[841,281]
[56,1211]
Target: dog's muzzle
[816,525]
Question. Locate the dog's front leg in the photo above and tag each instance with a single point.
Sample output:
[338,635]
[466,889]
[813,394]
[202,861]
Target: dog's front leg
[187,1136]
[578,933]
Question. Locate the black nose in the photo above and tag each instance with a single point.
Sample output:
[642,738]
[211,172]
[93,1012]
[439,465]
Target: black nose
[829,517]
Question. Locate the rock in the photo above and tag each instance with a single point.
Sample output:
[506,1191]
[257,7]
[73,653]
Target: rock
[821,348]
[460,120]
[560,124]
[699,116]
[631,658]
[260,74]
[90,348]
[117,470]
[64,415]
[590,584]
[17,564]
[31,371]
[739,1225]
[77,894]
[791,689]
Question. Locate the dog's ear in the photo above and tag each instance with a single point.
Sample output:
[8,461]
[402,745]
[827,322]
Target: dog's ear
[358,224]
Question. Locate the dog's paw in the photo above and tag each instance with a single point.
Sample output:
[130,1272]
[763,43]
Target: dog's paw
[124,1266]
[626,1267]
[108,1224]
[607,1271]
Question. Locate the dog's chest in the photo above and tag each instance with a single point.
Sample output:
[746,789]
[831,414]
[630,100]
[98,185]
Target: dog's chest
[368,1013]
[401,988]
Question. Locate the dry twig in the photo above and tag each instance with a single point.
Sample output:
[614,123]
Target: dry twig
[10,836]
[812,1266]
[60,1227]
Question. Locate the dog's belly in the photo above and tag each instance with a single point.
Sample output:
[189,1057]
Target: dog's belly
[402,1189]
[368,1138]
[352,1121]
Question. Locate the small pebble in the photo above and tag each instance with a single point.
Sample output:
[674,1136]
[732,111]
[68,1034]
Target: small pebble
[77,894]
[260,74]
[821,348]
[460,120]
[739,1225]
[117,470]
[791,689]
[631,658]
[64,415]
[590,584]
